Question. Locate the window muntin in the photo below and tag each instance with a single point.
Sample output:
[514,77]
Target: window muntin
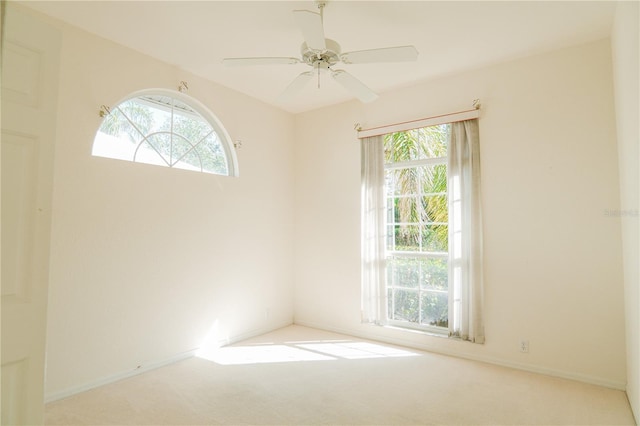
[417,228]
[168,129]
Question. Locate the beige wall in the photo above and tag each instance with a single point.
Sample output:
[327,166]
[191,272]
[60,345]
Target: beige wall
[624,41]
[549,168]
[146,261]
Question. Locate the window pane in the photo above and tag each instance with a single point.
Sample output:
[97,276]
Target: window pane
[407,237]
[405,305]
[213,157]
[117,126]
[400,146]
[184,155]
[161,142]
[435,238]
[433,178]
[433,140]
[434,309]
[427,142]
[148,153]
[404,271]
[435,208]
[193,128]
[403,181]
[434,274]
[409,209]
[139,118]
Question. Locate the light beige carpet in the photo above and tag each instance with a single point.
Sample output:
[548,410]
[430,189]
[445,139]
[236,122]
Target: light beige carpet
[303,376]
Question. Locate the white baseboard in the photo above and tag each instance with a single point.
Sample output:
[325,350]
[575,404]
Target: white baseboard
[118,376]
[156,364]
[489,360]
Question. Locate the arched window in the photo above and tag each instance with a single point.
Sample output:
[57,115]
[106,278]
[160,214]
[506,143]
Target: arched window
[166,128]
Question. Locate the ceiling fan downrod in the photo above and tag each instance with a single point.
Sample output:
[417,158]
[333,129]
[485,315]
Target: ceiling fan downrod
[321,5]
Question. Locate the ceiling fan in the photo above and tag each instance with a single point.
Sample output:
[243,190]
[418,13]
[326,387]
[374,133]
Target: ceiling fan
[321,54]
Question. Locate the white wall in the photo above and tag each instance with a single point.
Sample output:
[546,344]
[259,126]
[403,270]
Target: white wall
[147,260]
[552,256]
[625,49]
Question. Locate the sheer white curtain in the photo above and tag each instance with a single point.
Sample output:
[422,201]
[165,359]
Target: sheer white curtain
[373,232]
[465,233]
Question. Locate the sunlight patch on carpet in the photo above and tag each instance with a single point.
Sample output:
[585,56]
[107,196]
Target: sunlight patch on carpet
[357,350]
[302,351]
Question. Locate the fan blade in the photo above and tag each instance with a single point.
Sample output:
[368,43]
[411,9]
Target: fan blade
[310,24]
[237,62]
[296,86]
[355,86]
[388,54]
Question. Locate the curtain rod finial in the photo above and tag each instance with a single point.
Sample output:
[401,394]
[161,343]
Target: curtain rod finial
[104,111]
[357,127]
[476,103]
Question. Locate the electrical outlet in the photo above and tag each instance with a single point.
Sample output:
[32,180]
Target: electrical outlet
[524,346]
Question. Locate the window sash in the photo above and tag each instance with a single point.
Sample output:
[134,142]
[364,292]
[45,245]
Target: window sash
[389,254]
[425,254]
[415,163]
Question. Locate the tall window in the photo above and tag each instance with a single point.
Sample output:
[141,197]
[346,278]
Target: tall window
[422,227]
[168,129]
[417,227]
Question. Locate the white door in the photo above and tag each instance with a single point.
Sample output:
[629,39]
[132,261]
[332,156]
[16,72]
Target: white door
[30,52]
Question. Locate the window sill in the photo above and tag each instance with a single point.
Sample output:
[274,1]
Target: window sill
[433,333]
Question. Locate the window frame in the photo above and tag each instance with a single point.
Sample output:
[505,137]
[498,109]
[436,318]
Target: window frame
[198,107]
[390,254]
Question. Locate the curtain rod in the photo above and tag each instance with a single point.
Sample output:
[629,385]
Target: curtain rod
[420,122]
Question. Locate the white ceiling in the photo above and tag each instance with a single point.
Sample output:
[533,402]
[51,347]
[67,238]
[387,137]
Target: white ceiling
[451,36]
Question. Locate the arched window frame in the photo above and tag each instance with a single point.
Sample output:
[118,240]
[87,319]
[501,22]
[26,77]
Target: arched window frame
[203,111]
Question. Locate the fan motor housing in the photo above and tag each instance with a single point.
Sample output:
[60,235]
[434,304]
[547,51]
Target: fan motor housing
[328,57]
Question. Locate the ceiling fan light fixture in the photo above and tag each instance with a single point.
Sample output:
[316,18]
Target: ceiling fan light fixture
[322,66]
[322,53]
[330,54]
